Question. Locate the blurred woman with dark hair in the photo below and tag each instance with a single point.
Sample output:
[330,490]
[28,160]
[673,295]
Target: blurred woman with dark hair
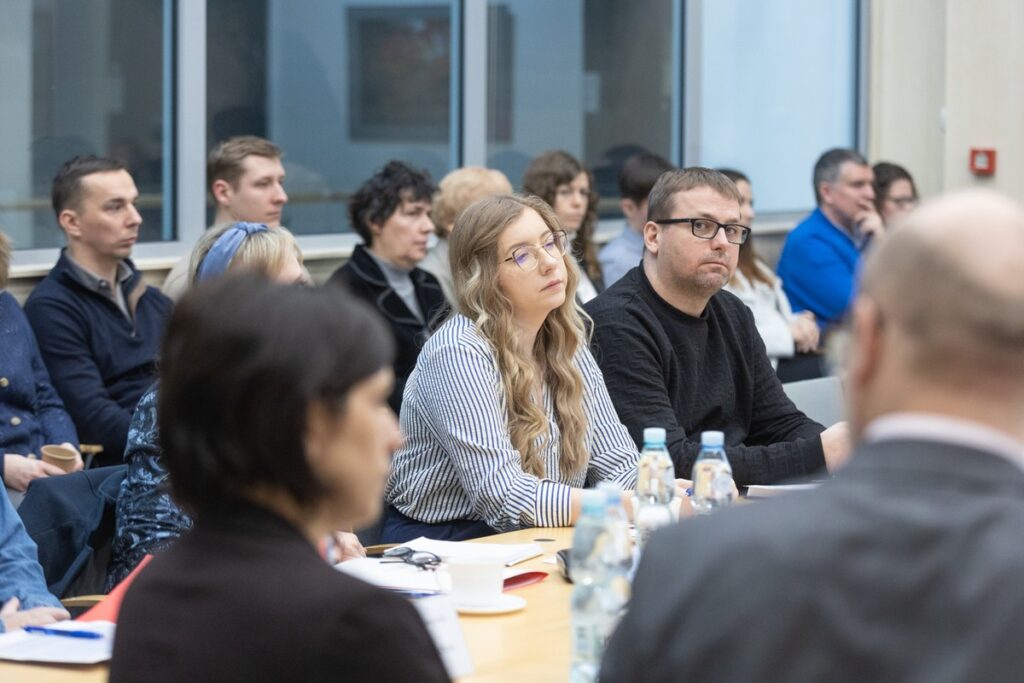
[276,430]
[567,185]
[790,339]
[895,191]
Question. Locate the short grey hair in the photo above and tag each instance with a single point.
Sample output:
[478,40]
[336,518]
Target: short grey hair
[826,169]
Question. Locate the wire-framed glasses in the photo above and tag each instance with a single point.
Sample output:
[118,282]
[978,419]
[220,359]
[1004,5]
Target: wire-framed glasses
[706,229]
[527,256]
[417,558]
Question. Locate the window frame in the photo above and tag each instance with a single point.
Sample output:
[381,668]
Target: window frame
[184,76]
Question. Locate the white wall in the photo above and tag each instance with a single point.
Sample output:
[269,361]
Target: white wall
[947,75]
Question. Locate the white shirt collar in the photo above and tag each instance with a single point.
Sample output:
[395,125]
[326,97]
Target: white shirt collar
[945,429]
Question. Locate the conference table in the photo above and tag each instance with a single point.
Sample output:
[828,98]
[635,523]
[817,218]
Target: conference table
[530,645]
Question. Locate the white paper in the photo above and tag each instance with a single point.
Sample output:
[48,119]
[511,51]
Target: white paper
[19,646]
[395,575]
[764,491]
[507,553]
[438,613]
[403,576]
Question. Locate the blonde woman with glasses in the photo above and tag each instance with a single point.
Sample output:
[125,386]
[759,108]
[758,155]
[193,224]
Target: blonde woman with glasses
[506,415]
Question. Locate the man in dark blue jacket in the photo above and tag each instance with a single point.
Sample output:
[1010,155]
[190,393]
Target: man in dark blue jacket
[97,323]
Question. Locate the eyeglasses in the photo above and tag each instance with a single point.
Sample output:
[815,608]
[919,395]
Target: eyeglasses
[903,202]
[527,256]
[417,558]
[706,229]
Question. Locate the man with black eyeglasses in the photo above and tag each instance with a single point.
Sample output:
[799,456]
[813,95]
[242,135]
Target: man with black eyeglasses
[679,353]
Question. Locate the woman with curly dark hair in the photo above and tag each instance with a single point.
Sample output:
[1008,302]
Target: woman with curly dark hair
[391,212]
[562,181]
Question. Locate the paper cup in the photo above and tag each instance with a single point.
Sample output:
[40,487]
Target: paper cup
[476,583]
[61,456]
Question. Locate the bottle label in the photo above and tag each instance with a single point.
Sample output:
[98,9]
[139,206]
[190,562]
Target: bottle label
[712,479]
[655,481]
[587,641]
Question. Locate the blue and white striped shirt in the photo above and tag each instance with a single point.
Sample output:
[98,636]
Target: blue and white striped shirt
[458,463]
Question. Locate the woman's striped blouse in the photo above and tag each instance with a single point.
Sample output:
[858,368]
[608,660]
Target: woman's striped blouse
[458,463]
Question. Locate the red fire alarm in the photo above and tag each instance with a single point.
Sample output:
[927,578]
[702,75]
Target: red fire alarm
[982,161]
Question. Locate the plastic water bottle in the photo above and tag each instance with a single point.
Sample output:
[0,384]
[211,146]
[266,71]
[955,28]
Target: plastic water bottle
[712,475]
[617,559]
[655,486]
[586,566]
[618,550]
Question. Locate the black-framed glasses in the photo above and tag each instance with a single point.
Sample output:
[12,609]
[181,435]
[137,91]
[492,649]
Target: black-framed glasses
[527,256]
[417,558]
[706,229]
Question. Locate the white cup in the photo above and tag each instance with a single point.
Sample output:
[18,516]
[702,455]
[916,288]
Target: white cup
[475,582]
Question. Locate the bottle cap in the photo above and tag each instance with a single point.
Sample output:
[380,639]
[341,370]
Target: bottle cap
[712,439]
[654,435]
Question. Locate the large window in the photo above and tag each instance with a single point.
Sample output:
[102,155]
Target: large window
[82,77]
[777,87]
[341,86]
[592,77]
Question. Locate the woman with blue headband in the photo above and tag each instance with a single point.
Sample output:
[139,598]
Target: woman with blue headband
[147,520]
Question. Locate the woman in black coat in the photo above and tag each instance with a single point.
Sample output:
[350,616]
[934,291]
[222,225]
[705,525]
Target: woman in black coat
[276,431]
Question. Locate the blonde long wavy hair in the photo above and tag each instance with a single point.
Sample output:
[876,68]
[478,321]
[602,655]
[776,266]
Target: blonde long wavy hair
[475,261]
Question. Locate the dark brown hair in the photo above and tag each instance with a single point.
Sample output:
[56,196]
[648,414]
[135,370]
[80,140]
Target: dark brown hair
[639,174]
[243,360]
[67,184]
[543,177]
[886,174]
[382,194]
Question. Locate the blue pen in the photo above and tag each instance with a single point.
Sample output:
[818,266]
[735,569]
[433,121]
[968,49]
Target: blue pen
[91,635]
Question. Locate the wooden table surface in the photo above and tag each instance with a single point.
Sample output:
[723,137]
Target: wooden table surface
[529,645]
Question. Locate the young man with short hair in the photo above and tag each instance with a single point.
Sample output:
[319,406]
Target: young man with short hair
[636,179]
[98,325]
[246,182]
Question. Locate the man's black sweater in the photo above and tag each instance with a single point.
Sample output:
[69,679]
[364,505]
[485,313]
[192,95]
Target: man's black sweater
[665,368]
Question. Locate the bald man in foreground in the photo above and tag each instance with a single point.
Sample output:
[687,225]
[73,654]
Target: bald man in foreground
[909,564]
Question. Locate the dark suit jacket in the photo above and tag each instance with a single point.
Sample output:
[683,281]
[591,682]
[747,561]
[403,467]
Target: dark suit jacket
[245,597]
[908,566]
[365,279]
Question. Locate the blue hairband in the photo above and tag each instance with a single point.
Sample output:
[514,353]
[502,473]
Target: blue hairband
[217,260]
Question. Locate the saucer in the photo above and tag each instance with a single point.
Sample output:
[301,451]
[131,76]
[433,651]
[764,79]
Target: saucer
[504,605]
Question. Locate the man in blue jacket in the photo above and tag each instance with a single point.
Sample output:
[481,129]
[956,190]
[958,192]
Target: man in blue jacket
[819,260]
[97,323]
